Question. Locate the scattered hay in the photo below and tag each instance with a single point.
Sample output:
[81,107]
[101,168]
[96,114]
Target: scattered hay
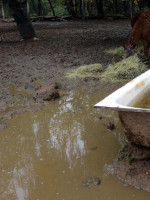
[93,70]
[126,69]
[116,51]
[119,51]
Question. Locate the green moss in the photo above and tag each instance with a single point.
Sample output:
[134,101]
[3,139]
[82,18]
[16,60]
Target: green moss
[93,70]
[126,69]
[124,156]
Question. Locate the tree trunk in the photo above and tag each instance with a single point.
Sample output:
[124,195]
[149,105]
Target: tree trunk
[2,9]
[76,8]
[52,7]
[82,8]
[116,6]
[72,8]
[131,7]
[23,22]
[148,4]
[99,4]
[28,8]
[40,8]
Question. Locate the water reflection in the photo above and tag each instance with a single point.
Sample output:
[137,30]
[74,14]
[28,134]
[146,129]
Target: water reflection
[37,142]
[66,130]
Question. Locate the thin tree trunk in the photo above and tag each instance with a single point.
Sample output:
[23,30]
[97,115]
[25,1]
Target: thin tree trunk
[148,4]
[23,21]
[40,8]
[116,6]
[28,8]
[52,8]
[131,7]
[72,8]
[76,8]
[2,9]
[82,9]
[99,4]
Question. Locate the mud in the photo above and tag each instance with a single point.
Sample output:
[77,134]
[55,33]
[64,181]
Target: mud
[47,93]
[136,127]
[26,66]
[138,152]
[136,173]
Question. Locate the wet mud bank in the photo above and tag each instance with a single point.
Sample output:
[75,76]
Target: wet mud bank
[133,166]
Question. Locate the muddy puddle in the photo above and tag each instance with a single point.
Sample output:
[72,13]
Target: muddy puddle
[51,154]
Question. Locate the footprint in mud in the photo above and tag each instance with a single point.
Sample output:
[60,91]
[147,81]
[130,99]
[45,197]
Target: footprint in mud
[95,181]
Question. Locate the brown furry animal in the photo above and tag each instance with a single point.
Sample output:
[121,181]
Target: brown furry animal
[140,32]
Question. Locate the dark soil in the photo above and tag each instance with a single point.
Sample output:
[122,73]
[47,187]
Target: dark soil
[62,46]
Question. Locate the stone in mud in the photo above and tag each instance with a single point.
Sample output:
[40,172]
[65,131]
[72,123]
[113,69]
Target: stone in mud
[96,181]
[110,126]
[47,93]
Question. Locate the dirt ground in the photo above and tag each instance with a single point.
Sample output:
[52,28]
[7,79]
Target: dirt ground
[62,46]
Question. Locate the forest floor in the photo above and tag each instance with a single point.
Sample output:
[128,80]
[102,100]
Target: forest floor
[63,46]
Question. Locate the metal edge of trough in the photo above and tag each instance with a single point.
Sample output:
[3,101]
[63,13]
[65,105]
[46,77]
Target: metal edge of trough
[129,94]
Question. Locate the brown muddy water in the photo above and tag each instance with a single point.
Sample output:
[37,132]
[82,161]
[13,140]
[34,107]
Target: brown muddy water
[51,154]
[144,101]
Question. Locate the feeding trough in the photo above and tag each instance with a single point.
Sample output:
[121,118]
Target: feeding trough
[135,121]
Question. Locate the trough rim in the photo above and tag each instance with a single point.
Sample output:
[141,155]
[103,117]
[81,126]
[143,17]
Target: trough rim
[138,84]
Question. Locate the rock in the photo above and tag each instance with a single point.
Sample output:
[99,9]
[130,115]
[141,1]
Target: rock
[47,93]
[96,181]
[110,126]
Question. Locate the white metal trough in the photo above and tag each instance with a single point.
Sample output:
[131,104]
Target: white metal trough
[136,121]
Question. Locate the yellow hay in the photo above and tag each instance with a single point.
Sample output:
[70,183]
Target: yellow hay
[93,70]
[126,69]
